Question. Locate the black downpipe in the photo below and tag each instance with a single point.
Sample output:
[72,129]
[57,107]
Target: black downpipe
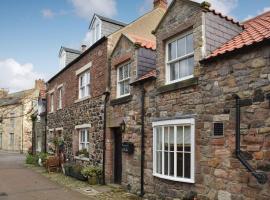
[142,138]
[259,175]
[104,137]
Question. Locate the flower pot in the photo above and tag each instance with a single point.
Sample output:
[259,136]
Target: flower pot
[93,180]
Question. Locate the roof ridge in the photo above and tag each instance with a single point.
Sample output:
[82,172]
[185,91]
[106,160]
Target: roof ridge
[258,16]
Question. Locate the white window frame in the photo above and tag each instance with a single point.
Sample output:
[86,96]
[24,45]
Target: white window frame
[52,102]
[178,122]
[167,62]
[123,80]
[86,85]
[86,143]
[60,98]
[95,31]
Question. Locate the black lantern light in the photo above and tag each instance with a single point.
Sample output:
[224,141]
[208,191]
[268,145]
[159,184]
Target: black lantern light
[123,126]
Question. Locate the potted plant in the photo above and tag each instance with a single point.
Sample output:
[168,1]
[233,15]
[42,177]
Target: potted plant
[83,153]
[93,174]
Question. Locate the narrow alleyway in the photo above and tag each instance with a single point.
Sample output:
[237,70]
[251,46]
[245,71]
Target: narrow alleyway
[19,182]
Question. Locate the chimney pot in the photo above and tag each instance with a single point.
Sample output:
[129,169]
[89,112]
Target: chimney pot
[83,47]
[160,4]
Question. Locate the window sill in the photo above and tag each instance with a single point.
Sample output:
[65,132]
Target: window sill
[178,85]
[121,100]
[82,99]
[182,180]
[81,158]
[59,108]
[51,112]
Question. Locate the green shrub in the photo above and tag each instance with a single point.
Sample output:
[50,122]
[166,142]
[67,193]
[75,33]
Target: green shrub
[43,157]
[32,159]
[83,152]
[90,171]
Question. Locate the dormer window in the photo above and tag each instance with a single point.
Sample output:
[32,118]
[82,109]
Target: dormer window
[95,31]
[180,58]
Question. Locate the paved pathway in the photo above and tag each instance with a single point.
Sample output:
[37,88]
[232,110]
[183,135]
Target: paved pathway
[20,183]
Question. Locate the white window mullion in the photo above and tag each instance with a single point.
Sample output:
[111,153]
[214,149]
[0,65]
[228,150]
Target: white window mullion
[192,156]
[163,150]
[175,151]
[155,151]
[183,151]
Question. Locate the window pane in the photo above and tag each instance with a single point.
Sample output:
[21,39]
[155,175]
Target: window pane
[122,88]
[187,165]
[126,87]
[174,71]
[184,68]
[189,43]
[121,76]
[180,164]
[171,161]
[179,138]
[87,134]
[187,137]
[158,138]
[166,138]
[191,65]
[166,171]
[181,47]
[159,162]
[171,138]
[172,50]
[126,71]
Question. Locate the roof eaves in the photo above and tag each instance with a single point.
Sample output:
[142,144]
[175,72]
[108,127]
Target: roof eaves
[78,58]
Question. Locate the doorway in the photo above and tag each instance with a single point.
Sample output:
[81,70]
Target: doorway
[117,156]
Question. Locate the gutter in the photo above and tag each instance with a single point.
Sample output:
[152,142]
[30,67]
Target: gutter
[142,137]
[261,176]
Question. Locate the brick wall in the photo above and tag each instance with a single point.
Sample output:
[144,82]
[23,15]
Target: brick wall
[88,111]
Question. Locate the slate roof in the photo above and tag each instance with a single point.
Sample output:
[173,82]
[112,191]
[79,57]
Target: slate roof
[14,98]
[69,50]
[255,30]
[110,20]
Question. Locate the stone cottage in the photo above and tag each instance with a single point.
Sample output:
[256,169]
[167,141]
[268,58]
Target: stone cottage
[16,124]
[196,125]
[75,108]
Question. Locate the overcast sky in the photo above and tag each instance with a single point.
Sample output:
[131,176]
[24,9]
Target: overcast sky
[32,31]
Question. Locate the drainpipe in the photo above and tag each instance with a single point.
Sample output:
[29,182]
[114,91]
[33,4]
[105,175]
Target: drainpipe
[142,138]
[259,175]
[104,136]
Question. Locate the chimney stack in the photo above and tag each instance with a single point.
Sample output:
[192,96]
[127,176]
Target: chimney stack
[3,92]
[160,4]
[40,84]
[83,47]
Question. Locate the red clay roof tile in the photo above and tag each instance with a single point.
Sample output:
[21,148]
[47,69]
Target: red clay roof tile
[255,30]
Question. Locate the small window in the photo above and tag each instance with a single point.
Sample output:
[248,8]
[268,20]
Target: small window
[60,96]
[174,150]
[11,139]
[123,79]
[52,102]
[84,139]
[12,120]
[180,59]
[84,85]
[218,129]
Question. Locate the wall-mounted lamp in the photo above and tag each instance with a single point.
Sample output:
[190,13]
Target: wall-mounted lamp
[123,126]
[268,98]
